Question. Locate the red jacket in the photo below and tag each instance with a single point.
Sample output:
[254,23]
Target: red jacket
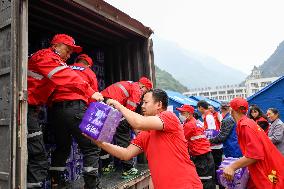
[46,70]
[62,93]
[127,93]
[198,144]
[263,123]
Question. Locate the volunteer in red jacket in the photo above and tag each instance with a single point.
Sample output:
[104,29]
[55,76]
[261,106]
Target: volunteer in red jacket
[82,66]
[198,148]
[162,139]
[264,161]
[46,70]
[129,94]
[67,110]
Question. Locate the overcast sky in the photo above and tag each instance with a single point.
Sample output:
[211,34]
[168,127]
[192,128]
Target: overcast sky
[238,33]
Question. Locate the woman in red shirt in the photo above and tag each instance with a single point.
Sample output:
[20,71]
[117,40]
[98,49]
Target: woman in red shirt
[264,161]
[259,117]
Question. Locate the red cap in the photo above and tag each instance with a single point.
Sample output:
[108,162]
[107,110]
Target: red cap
[86,58]
[238,102]
[146,82]
[67,40]
[186,108]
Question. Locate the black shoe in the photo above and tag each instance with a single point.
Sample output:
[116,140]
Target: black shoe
[92,181]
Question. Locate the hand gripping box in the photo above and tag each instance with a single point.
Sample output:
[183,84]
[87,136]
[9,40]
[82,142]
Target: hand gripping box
[240,178]
[100,121]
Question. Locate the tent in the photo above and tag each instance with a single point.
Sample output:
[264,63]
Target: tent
[213,103]
[177,99]
[272,96]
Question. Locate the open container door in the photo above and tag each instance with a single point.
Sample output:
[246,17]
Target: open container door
[119,45]
[13,104]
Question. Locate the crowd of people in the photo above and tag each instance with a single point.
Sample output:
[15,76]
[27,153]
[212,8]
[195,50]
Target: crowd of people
[67,90]
[180,155]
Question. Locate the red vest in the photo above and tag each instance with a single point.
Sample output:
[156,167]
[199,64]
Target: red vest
[198,144]
[217,122]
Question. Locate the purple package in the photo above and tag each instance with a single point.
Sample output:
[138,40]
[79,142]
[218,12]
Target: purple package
[211,133]
[100,121]
[240,178]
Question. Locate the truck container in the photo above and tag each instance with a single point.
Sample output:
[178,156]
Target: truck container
[120,45]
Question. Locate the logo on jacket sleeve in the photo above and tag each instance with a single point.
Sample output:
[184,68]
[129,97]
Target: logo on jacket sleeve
[79,68]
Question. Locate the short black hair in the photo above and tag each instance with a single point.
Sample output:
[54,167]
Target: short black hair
[203,104]
[275,111]
[160,95]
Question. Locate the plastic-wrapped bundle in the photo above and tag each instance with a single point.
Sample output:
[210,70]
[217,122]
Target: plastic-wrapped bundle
[211,133]
[100,121]
[240,178]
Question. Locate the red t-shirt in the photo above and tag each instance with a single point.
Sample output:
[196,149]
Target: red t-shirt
[198,144]
[255,144]
[167,155]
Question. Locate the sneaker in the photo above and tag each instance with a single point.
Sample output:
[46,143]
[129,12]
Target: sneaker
[109,169]
[130,173]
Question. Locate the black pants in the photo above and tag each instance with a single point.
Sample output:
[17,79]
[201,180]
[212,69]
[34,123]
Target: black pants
[122,138]
[217,155]
[205,169]
[37,168]
[66,117]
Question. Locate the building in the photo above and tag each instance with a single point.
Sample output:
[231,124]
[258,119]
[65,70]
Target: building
[272,96]
[253,83]
[220,93]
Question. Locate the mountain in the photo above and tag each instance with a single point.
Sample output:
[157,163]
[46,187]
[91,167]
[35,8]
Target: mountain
[165,81]
[192,69]
[274,65]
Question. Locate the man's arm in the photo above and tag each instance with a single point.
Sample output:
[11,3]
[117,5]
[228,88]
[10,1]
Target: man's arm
[117,151]
[226,128]
[138,121]
[229,171]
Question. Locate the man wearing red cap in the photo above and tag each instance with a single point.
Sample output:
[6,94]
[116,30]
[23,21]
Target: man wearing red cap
[82,66]
[67,110]
[129,94]
[161,139]
[198,147]
[264,161]
[46,70]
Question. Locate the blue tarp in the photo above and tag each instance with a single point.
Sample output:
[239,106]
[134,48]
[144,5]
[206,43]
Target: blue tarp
[214,103]
[272,96]
[177,99]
